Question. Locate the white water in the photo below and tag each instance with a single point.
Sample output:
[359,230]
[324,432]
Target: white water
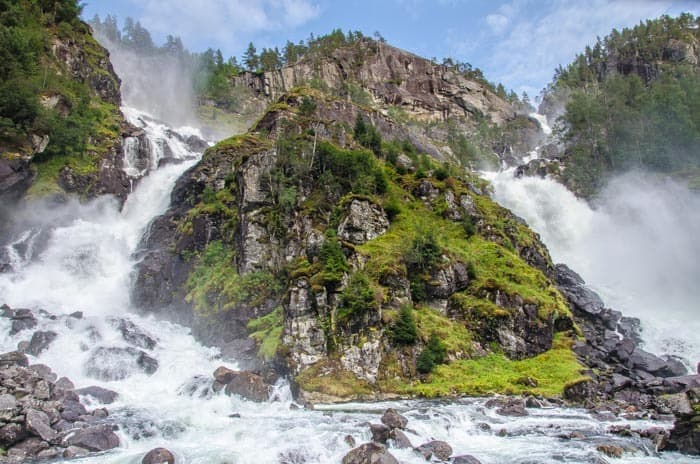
[638,248]
[86,266]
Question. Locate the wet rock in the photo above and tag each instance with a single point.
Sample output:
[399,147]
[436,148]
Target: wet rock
[102,395]
[465,459]
[119,363]
[75,452]
[579,391]
[619,382]
[40,342]
[27,448]
[64,384]
[439,449]
[512,410]
[158,456]
[685,435]
[612,451]
[655,365]
[249,386]
[38,423]
[44,371]
[369,453]
[95,438]
[22,319]
[12,433]
[674,403]
[13,358]
[380,433]
[394,420]
[364,222]
[199,386]
[400,440]
[134,334]
[72,410]
[224,375]
[350,441]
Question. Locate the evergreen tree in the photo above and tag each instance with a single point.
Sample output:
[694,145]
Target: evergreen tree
[251,59]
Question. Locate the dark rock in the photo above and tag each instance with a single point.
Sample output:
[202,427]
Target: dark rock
[249,386]
[134,334]
[28,448]
[465,459]
[158,456]
[72,410]
[102,395]
[96,438]
[224,375]
[49,453]
[394,420]
[579,391]
[38,423]
[40,342]
[369,453]
[440,449]
[119,363]
[380,433]
[619,382]
[513,410]
[22,319]
[400,440]
[685,435]
[75,452]
[13,358]
[64,384]
[612,451]
[350,441]
[364,222]
[11,434]
[44,371]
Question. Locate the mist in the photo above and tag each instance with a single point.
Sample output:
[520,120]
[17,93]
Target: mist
[637,246]
[160,84]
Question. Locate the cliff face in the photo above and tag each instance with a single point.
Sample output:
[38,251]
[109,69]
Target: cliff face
[393,77]
[297,248]
[72,142]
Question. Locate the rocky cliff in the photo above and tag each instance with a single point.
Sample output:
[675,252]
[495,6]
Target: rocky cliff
[360,273]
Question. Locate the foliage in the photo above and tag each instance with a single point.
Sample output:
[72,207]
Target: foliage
[644,116]
[357,298]
[404,331]
[333,261]
[424,251]
[214,285]
[433,354]
[367,135]
[354,171]
[267,331]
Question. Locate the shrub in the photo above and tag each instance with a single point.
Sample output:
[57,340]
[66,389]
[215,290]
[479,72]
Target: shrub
[469,227]
[433,354]
[404,331]
[392,208]
[441,173]
[423,253]
[357,298]
[334,263]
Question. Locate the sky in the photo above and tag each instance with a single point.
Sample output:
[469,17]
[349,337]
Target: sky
[517,42]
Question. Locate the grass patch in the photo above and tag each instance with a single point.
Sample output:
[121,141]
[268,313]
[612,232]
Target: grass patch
[495,373]
[329,379]
[267,331]
[455,336]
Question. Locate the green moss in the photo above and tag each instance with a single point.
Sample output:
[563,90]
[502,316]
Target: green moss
[328,378]
[455,336]
[495,373]
[267,331]
[47,173]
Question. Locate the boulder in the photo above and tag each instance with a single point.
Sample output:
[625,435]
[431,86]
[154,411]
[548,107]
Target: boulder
[12,433]
[13,358]
[400,440]
[364,222]
[40,342]
[439,449]
[158,456]
[39,424]
[75,452]
[22,319]
[95,438]
[249,386]
[685,435]
[465,459]
[394,420]
[102,395]
[369,453]
[224,375]
[134,334]
[119,363]
[380,433]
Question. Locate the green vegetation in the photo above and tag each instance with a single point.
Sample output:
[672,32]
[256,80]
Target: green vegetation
[333,262]
[214,286]
[433,354]
[328,378]
[39,97]
[267,331]
[403,331]
[357,299]
[645,114]
[495,373]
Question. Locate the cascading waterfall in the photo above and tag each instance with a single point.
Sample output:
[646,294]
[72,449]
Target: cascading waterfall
[637,248]
[85,264]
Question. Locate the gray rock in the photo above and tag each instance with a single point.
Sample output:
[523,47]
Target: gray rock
[13,358]
[64,384]
[40,342]
[95,438]
[72,410]
[38,423]
[400,440]
[369,453]
[102,395]
[249,386]
[75,452]
[380,433]
[364,222]
[28,448]
[158,456]
[134,334]
[440,449]
[11,434]
[44,372]
[22,319]
[119,363]
[465,459]
[394,420]
[224,375]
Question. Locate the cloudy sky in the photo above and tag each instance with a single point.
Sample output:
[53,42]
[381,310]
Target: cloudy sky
[516,42]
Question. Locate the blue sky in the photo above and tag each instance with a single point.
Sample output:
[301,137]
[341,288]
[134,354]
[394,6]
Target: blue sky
[516,42]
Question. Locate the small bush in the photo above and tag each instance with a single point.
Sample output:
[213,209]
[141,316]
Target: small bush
[392,208]
[404,331]
[334,263]
[469,227]
[433,354]
[441,173]
[357,299]
[423,253]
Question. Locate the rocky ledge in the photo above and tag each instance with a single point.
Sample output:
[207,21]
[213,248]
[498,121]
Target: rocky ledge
[42,418]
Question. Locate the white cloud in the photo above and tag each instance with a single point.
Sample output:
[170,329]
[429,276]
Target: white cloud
[526,39]
[224,22]
[497,22]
